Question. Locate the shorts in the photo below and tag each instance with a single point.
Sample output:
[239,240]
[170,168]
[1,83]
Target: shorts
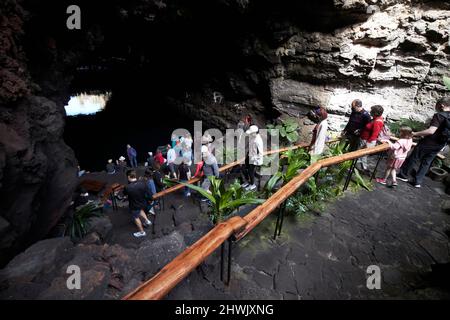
[396,164]
[135,213]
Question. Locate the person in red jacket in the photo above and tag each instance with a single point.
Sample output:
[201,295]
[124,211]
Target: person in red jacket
[370,133]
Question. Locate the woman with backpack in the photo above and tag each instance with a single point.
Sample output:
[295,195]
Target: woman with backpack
[371,132]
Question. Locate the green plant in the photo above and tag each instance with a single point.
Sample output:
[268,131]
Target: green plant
[413,124]
[225,199]
[294,160]
[340,171]
[288,130]
[326,185]
[80,222]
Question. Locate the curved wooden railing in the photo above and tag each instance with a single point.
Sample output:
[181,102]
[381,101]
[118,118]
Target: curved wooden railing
[179,268]
[225,168]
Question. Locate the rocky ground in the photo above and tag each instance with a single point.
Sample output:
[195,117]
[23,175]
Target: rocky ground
[402,230]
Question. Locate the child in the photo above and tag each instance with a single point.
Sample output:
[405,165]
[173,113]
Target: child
[397,155]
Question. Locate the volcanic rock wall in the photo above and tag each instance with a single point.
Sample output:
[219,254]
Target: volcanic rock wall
[397,59]
[37,169]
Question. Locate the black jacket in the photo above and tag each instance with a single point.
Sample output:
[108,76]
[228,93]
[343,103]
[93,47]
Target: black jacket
[158,179]
[138,194]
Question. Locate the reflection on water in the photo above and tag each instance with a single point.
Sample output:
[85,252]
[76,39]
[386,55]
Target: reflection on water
[84,103]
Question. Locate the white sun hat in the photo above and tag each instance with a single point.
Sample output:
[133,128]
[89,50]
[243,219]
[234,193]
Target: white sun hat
[252,129]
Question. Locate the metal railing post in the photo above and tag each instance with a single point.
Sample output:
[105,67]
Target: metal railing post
[280,219]
[376,167]
[350,174]
[283,209]
[230,246]
[277,224]
[222,257]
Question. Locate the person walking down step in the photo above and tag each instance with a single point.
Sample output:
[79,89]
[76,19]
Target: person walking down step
[171,159]
[208,169]
[132,156]
[150,161]
[121,165]
[184,175]
[110,167]
[397,155]
[148,178]
[435,138]
[370,133]
[138,194]
[359,118]
[254,158]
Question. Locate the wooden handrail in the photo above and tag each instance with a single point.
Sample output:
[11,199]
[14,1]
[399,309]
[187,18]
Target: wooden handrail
[179,268]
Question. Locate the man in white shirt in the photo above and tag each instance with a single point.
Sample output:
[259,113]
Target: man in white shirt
[171,158]
[255,156]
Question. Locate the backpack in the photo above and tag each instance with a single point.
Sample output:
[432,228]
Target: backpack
[444,129]
[385,133]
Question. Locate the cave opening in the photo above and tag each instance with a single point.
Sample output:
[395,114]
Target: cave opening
[161,69]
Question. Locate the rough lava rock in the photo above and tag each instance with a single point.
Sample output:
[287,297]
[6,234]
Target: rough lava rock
[107,271]
[396,59]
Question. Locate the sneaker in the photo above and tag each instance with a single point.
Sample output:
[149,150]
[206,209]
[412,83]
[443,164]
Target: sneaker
[245,185]
[395,184]
[139,234]
[152,211]
[381,181]
[402,178]
[204,199]
[188,194]
[418,186]
[251,187]
[147,223]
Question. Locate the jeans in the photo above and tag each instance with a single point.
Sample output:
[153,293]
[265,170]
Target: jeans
[250,172]
[133,162]
[424,155]
[364,144]
[186,190]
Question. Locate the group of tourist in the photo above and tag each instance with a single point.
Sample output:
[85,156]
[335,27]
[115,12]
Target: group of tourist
[363,130]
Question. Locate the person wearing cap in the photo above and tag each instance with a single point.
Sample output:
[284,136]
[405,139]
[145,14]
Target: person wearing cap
[110,168]
[255,156]
[184,175]
[209,168]
[132,156]
[319,116]
[121,164]
[151,161]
